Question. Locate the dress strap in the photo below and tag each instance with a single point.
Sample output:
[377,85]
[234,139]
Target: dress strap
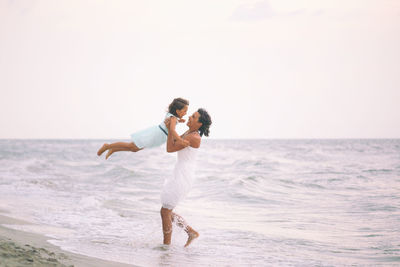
[161,128]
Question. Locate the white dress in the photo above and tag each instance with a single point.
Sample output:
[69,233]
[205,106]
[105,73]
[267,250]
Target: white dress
[153,136]
[177,186]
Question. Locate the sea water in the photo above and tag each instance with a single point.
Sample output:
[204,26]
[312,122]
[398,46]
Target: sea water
[254,202]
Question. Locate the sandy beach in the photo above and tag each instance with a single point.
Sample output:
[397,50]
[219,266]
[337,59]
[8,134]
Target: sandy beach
[18,248]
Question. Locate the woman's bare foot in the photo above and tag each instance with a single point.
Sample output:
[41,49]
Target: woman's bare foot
[192,235]
[102,149]
[110,151]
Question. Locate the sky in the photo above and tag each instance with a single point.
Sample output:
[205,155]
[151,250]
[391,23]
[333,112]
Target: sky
[262,68]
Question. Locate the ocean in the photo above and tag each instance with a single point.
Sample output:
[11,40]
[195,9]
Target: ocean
[254,202]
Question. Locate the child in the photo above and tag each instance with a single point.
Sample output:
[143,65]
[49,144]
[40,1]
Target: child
[155,135]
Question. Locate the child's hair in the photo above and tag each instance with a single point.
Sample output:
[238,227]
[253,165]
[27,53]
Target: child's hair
[178,103]
[205,119]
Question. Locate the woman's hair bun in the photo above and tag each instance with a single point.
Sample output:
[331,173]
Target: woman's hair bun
[205,119]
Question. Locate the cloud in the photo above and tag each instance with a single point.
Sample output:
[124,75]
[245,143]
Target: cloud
[23,7]
[262,10]
[319,12]
[305,12]
[300,11]
[257,11]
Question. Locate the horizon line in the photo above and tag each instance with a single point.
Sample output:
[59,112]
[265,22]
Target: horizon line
[218,138]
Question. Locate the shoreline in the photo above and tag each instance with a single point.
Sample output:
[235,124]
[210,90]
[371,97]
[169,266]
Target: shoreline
[20,248]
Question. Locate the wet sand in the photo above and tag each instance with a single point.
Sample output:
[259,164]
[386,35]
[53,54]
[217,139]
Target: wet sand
[19,248]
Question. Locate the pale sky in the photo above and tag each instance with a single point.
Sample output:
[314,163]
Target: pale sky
[263,69]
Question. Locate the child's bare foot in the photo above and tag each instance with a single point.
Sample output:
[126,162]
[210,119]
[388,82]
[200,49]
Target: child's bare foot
[110,151]
[192,235]
[102,149]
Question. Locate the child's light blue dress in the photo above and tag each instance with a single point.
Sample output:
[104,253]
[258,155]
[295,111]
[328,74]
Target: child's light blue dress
[153,136]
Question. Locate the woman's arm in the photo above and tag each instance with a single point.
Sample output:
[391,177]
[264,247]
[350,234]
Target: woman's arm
[192,139]
[174,141]
[172,131]
[173,146]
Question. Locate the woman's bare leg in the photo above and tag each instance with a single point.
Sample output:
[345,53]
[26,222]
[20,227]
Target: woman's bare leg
[166,217]
[192,234]
[118,146]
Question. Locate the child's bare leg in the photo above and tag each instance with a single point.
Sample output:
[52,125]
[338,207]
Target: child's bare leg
[102,149]
[192,234]
[121,146]
[118,146]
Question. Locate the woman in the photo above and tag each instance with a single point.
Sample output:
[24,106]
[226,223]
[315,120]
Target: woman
[176,187]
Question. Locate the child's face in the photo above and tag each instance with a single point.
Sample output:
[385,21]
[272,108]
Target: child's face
[182,112]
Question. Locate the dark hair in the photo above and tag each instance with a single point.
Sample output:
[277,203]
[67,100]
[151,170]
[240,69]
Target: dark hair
[178,103]
[205,119]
